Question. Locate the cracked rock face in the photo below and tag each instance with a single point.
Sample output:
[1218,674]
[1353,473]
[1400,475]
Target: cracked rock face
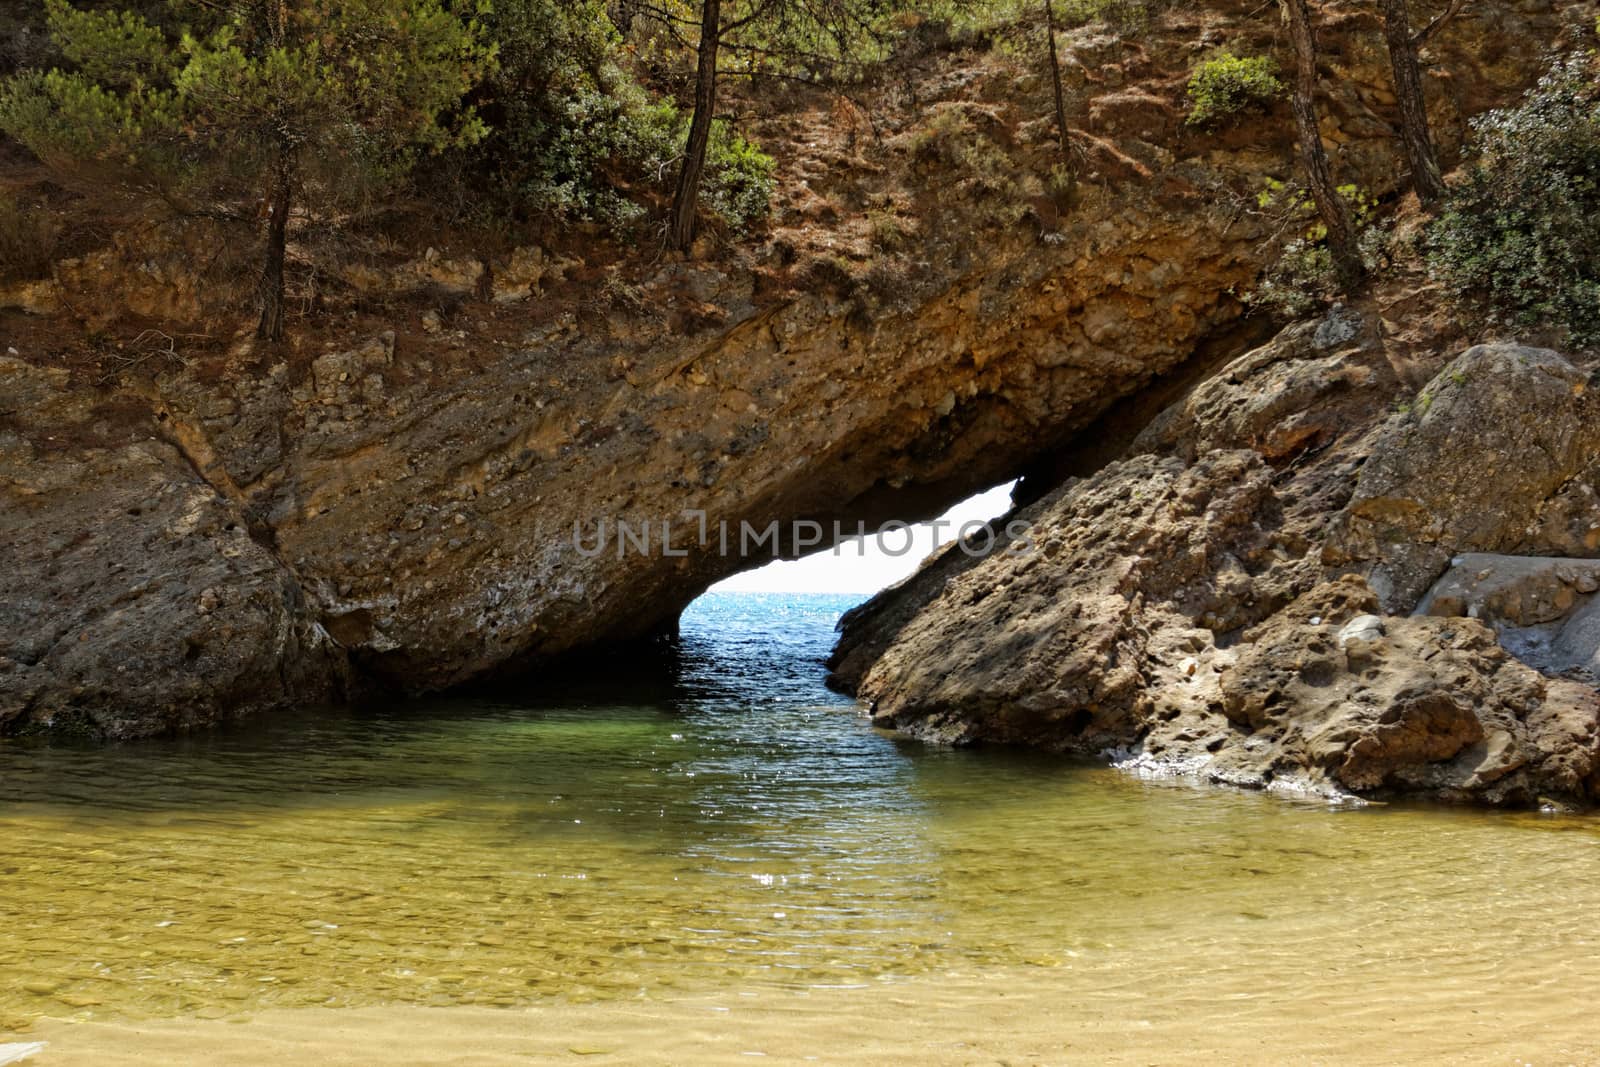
[1065,639]
[405,500]
[1499,438]
[135,600]
[1190,610]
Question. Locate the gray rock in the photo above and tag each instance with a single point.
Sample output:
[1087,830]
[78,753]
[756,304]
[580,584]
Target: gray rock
[1502,590]
[1577,645]
[135,600]
[1361,628]
[1341,326]
[1467,466]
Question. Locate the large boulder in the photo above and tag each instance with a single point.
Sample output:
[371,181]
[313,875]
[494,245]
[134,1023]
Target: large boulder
[1471,465]
[1072,636]
[135,600]
[1188,609]
[1303,389]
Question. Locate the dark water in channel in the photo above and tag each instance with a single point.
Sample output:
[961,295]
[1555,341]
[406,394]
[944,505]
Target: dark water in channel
[738,827]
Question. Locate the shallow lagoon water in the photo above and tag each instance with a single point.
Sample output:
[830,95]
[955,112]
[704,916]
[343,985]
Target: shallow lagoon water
[731,828]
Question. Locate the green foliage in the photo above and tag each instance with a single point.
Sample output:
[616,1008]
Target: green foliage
[1226,85]
[943,138]
[1122,16]
[1303,280]
[940,17]
[1518,240]
[573,138]
[889,234]
[739,179]
[1286,200]
[115,48]
[570,134]
[72,123]
[516,110]
[201,102]
[576,157]
[957,139]
[813,40]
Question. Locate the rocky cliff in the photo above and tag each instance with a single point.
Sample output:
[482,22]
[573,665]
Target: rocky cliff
[1291,580]
[403,498]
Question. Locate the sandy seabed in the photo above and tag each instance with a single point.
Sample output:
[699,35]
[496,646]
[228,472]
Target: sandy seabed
[1025,1016]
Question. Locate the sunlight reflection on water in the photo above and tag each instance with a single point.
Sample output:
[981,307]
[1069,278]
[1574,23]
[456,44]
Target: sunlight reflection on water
[735,827]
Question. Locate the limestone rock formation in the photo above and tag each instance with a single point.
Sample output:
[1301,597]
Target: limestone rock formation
[1188,609]
[1470,465]
[1413,704]
[408,493]
[135,599]
[1069,636]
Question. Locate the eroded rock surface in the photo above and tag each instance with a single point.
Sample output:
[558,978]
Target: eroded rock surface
[1189,609]
[134,599]
[1410,704]
[1472,464]
[1068,638]
[923,320]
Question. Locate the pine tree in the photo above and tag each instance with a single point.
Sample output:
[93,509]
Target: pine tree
[224,105]
[1319,175]
[1415,136]
[1060,98]
[767,35]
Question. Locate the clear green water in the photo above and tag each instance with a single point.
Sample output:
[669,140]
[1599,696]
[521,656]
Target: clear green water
[733,826]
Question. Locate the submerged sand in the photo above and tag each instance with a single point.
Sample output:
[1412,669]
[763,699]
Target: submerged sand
[652,888]
[1044,1015]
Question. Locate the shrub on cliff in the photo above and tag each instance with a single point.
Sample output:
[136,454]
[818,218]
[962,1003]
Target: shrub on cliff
[1226,85]
[601,154]
[227,106]
[1304,279]
[739,179]
[571,137]
[1519,238]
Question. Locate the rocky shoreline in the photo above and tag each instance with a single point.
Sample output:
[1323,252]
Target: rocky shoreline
[1334,613]
[389,502]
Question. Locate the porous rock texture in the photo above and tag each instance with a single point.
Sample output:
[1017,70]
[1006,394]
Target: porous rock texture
[1203,605]
[135,599]
[207,532]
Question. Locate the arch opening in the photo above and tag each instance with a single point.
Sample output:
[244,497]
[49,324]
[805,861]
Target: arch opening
[867,564]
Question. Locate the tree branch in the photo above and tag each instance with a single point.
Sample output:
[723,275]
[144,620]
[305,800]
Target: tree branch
[1422,36]
[754,14]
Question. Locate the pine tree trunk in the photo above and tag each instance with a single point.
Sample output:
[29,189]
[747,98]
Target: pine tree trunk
[1426,178]
[687,197]
[1055,81]
[1335,215]
[271,292]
